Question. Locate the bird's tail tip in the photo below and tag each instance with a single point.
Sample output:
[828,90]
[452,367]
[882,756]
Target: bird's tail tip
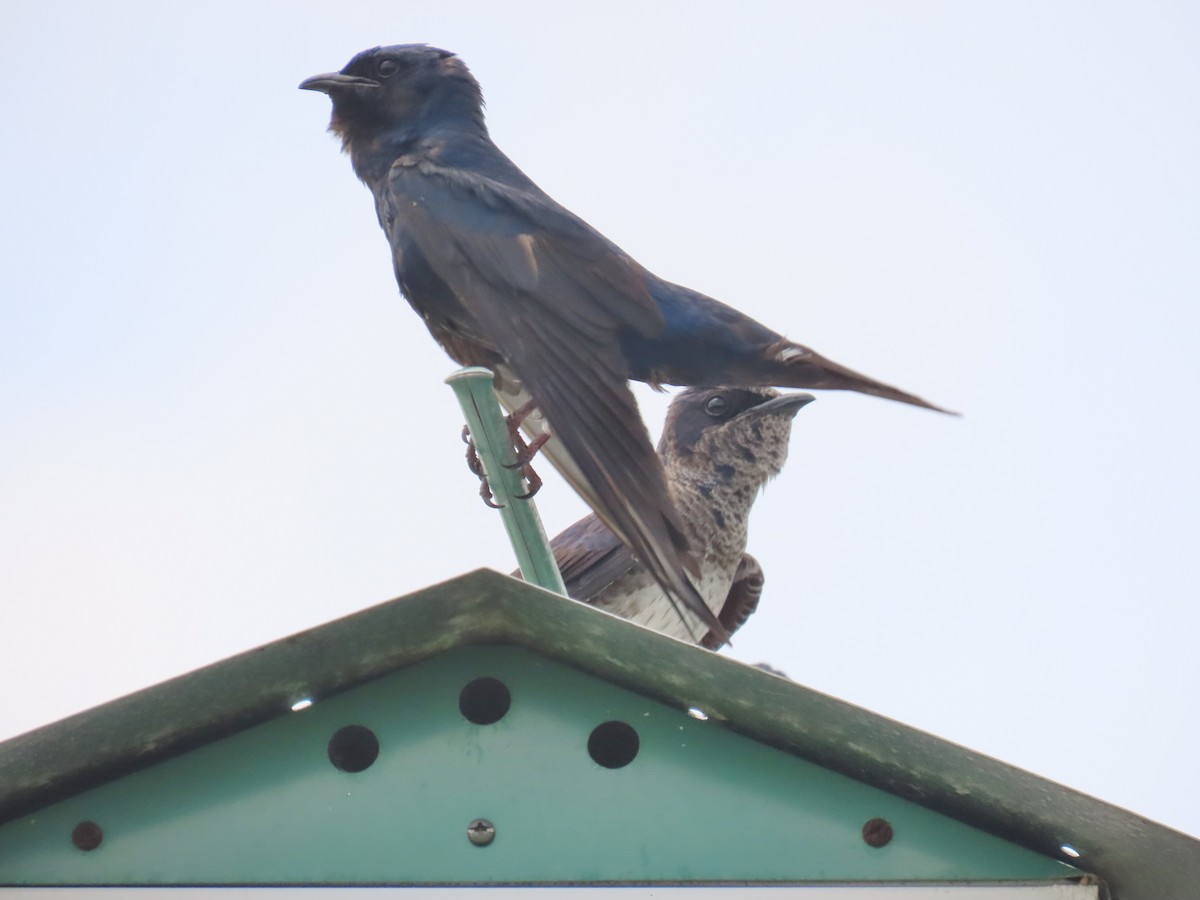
[939,409]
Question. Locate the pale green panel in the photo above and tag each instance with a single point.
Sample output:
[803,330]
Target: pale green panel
[698,802]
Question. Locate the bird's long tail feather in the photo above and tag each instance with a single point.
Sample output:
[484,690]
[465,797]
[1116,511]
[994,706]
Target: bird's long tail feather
[796,366]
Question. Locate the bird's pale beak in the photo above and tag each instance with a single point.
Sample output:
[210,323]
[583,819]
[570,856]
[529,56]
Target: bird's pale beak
[787,405]
[336,81]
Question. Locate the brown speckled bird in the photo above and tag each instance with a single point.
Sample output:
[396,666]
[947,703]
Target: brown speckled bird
[719,447]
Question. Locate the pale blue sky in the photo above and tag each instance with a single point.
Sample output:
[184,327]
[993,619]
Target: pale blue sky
[222,424]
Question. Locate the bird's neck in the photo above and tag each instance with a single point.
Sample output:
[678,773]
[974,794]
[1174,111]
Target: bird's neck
[450,142]
[717,483]
[719,506]
[373,152]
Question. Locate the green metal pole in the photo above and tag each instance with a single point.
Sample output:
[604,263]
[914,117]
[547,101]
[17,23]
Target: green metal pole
[493,444]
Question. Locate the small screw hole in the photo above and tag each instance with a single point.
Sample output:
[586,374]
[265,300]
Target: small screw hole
[877,832]
[87,836]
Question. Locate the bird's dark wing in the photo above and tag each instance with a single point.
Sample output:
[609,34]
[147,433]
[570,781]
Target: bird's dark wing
[475,232]
[741,602]
[552,295]
[590,557]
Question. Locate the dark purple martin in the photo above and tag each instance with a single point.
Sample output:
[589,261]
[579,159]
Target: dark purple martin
[506,278]
[719,447]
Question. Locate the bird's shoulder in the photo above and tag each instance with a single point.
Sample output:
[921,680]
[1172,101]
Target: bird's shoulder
[440,171]
[468,213]
[590,557]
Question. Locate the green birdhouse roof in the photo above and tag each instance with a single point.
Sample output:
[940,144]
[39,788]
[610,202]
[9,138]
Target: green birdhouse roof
[484,731]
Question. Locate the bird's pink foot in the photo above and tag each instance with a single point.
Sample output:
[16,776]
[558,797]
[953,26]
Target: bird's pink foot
[476,467]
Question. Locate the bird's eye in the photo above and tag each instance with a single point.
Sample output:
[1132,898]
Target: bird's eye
[387,68]
[716,405]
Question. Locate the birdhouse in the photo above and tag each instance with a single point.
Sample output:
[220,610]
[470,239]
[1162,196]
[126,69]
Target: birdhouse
[484,732]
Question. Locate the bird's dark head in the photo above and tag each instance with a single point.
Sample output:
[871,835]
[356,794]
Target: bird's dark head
[740,433]
[406,87]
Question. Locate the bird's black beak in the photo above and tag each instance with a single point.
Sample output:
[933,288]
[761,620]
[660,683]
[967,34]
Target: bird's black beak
[787,405]
[336,81]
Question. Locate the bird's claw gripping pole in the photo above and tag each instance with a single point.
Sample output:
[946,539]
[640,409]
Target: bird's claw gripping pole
[493,444]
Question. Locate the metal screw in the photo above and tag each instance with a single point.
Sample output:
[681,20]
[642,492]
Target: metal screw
[877,832]
[87,836]
[481,832]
